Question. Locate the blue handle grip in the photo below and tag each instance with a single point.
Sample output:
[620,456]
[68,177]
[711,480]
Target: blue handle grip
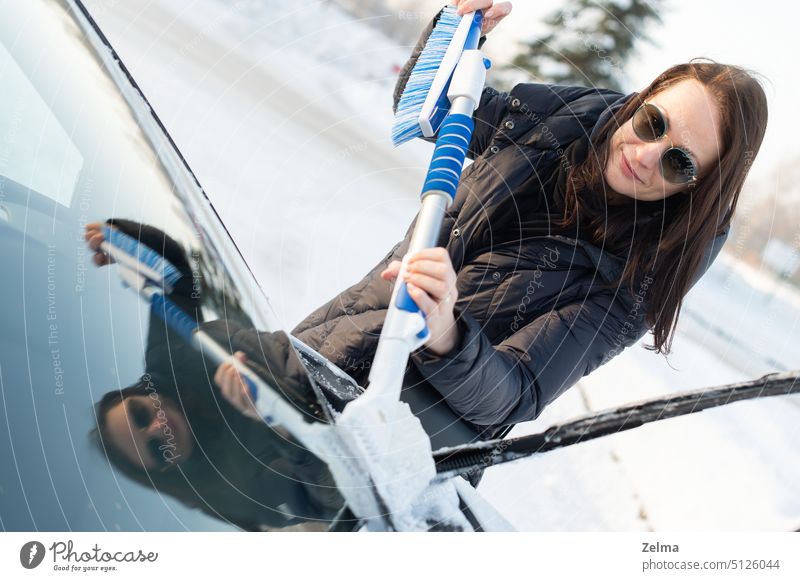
[448,156]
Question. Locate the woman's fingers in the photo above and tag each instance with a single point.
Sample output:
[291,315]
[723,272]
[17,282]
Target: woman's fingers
[434,268]
[437,288]
[431,282]
[239,385]
[499,11]
[232,385]
[234,378]
[424,259]
[432,261]
[493,12]
[432,271]
[437,253]
[219,379]
[245,389]
[466,6]
[429,272]
[91,229]
[100,259]
[94,238]
[495,15]
[423,300]
[218,374]
[391,271]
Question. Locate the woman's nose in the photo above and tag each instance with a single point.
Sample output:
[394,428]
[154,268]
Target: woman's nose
[155,426]
[648,154]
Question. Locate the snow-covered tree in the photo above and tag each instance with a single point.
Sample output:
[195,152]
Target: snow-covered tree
[589,42]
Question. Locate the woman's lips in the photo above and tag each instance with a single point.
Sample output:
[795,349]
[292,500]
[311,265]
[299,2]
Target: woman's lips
[176,425]
[628,170]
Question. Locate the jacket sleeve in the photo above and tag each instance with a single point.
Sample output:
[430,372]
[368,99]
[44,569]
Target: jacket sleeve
[492,108]
[515,380]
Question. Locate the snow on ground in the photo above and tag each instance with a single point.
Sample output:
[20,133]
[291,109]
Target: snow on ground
[293,152]
[283,111]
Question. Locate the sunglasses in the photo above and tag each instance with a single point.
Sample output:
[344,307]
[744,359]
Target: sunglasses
[677,164]
[141,416]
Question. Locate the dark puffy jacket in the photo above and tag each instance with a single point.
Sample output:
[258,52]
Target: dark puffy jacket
[532,310]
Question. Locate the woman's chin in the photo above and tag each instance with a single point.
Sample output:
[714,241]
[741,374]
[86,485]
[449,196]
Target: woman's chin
[624,189]
[619,190]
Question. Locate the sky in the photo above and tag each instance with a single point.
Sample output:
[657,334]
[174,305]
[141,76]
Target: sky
[764,40]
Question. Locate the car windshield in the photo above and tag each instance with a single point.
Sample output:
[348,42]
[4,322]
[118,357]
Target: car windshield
[81,152]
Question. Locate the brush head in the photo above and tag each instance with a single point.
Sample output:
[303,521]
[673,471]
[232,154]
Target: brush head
[142,259]
[424,104]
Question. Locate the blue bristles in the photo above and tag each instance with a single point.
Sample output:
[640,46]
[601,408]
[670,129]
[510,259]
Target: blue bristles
[406,121]
[146,256]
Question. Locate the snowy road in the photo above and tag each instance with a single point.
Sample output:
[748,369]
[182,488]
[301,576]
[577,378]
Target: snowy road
[284,116]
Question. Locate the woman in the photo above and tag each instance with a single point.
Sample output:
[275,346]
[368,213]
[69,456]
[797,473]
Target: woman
[584,220]
[188,428]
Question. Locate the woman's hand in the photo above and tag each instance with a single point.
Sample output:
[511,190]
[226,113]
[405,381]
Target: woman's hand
[234,388]
[493,12]
[94,238]
[431,282]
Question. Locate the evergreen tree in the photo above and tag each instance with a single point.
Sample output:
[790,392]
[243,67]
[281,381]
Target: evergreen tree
[589,42]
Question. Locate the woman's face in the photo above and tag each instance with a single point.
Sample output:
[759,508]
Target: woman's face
[633,167]
[150,431]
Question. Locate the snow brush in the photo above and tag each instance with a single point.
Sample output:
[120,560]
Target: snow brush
[440,96]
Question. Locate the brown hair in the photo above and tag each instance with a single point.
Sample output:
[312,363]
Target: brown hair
[196,481]
[217,475]
[172,481]
[670,249]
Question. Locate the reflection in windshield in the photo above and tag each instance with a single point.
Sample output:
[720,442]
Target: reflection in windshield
[84,355]
[188,425]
